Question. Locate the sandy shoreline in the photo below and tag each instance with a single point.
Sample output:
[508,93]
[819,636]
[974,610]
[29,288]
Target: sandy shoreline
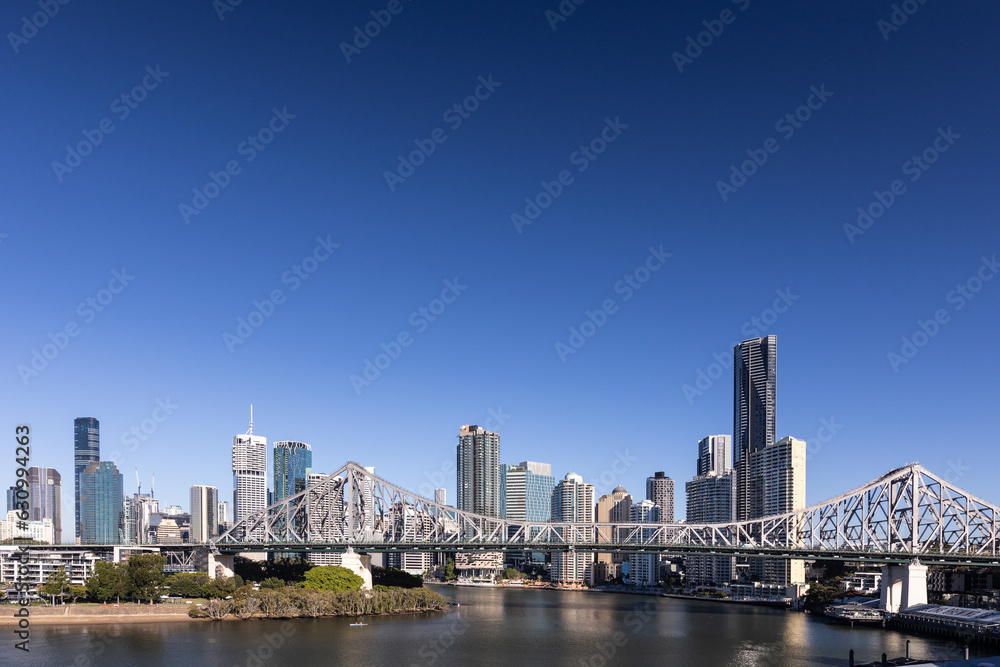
[104,619]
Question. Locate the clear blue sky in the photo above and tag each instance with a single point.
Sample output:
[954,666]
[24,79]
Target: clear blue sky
[608,68]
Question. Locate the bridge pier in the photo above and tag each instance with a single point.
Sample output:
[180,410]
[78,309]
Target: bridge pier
[220,565]
[359,564]
[903,586]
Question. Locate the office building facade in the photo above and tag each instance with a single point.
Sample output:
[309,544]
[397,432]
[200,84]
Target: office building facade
[714,454]
[86,450]
[102,504]
[204,513]
[613,507]
[292,465]
[249,478]
[526,491]
[45,498]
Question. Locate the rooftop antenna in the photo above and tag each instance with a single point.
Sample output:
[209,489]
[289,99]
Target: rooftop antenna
[152,487]
[137,482]
[250,432]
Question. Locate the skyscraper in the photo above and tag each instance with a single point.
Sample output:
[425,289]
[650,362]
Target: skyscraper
[479,471]
[86,450]
[102,504]
[754,414]
[644,568]
[249,477]
[611,508]
[573,500]
[526,491]
[713,454]
[45,498]
[711,498]
[441,496]
[660,490]
[781,471]
[204,513]
[292,465]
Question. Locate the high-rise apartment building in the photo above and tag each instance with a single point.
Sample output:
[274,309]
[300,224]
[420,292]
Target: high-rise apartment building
[327,520]
[102,504]
[779,470]
[660,490]
[714,454]
[45,498]
[573,500]
[204,513]
[754,414]
[644,569]
[711,498]
[86,450]
[292,465]
[11,498]
[224,511]
[143,509]
[479,471]
[612,507]
[441,496]
[249,477]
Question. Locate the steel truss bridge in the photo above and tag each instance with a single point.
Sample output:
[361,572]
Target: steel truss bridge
[907,513]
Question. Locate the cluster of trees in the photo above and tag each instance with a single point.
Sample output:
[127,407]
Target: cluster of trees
[305,602]
[289,570]
[392,578]
[821,594]
[140,579]
[199,585]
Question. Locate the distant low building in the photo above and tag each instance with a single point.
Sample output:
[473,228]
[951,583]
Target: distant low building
[866,583]
[41,564]
[41,531]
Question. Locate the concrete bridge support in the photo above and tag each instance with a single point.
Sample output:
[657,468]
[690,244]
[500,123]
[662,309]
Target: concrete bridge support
[359,564]
[220,565]
[903,586]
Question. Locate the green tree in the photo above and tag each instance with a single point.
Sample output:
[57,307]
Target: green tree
[76,592]
[222,587]
[331,578]
[145,576]
[187,584]
[56,584]
[449,570]
[394,578]
[272,582]
[249,570]
[109,582]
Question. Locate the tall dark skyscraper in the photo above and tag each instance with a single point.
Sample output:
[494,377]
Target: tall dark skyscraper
[478,471]
[754,398]
[45,498]
[86,450]
[102,502]
[292,466]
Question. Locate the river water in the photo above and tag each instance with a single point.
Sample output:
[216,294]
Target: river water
[490,627]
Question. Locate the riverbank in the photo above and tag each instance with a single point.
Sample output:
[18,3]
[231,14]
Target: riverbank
[95,614]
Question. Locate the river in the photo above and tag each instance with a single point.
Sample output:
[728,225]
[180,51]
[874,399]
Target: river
[490,627]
